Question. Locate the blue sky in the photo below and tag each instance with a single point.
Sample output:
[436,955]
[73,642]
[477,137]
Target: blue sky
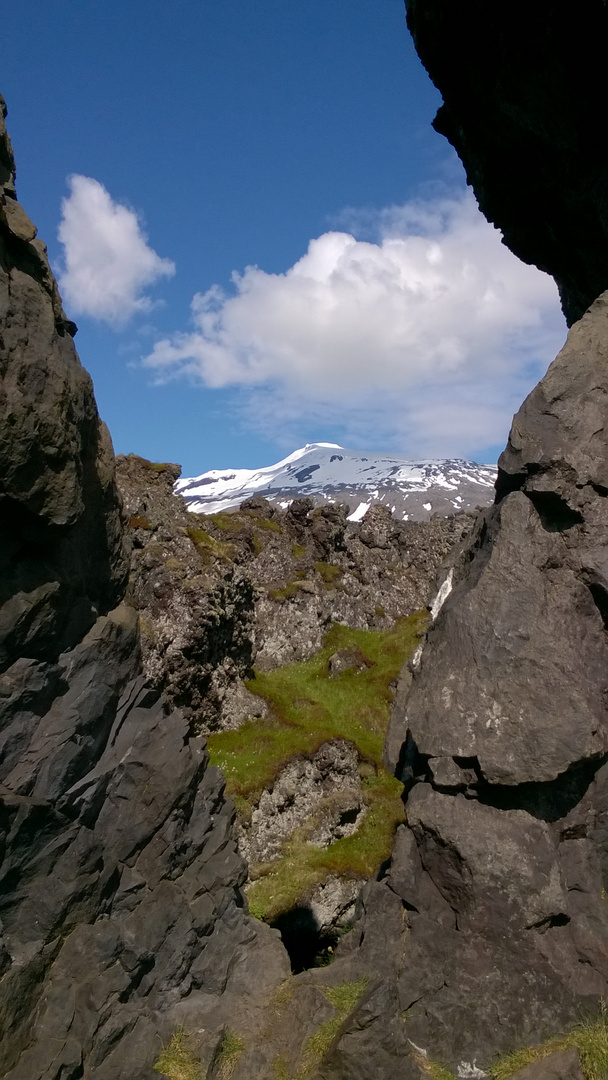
[233,134]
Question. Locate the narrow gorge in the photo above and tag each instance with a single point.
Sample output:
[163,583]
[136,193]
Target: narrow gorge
[267,811]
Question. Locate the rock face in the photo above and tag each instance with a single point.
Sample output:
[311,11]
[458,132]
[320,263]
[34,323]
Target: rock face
[119,880]
[196,602]
[61,546]
[502,870]
[524,99]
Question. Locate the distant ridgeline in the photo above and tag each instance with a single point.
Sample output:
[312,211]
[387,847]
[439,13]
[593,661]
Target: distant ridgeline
[326,472]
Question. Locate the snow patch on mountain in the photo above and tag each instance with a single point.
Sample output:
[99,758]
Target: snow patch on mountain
[327,472]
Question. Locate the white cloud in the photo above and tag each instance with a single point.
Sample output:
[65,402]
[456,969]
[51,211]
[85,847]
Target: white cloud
[108,263]
[433,331]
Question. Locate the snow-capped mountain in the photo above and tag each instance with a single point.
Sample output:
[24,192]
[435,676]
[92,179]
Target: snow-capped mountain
[327,472]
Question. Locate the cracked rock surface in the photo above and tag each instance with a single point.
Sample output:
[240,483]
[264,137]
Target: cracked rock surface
[501,873]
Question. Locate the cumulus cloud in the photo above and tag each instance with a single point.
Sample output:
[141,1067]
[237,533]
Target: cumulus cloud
[107,261]
[435,329]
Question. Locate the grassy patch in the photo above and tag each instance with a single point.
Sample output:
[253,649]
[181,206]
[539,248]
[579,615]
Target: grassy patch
[285,592]
[266,523]
[329,573]
[209,548]
[230,1049]
[138,521]
[298,551]
[590,1039]
[308,708]
[227,522]
[282,883]
[177,1061]
[280,1069]
[343,998]
[153,466]
[433,1069]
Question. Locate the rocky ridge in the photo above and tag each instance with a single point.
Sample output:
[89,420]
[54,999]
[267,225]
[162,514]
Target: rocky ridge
[327,473]
[218,593]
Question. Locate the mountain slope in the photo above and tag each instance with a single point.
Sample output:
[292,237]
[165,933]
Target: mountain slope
[327,472]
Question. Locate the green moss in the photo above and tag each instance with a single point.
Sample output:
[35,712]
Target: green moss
[153,466]
[343,998]
[138,521]
[227,522]
[432,1069]
[177,1061]
[330,574]
[266,523]
[280,1069]
[230,1049]
[298,551]
[209,548]
[307,708]
[174,565]
[281,884]
[589,1037]
[285,592]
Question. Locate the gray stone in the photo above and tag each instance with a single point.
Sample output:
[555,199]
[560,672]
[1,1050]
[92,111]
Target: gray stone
[503,864]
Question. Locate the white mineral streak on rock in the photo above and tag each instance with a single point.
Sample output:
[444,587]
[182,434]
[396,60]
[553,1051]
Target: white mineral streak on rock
[419,1049]
[416,657]
[468,1071]
[442,595]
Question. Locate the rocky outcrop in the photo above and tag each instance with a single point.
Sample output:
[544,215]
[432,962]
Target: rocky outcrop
[61,545]
[501,872]
[119,877]
[321,794]
[524,95]
[195,601]
[218,593]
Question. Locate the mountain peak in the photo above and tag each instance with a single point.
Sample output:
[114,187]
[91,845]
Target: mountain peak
[328,472]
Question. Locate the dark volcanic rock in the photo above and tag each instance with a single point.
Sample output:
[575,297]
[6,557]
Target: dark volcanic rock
[61,544]
[502,869]
[529,612]
[524,89]
[119,877]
